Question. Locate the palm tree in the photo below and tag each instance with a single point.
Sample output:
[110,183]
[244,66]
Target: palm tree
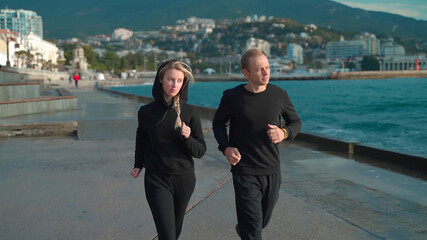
[21,55]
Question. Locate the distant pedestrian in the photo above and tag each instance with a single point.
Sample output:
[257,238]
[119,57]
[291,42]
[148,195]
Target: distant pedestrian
[169,135]
[70,79]
[76,78]
[254,110]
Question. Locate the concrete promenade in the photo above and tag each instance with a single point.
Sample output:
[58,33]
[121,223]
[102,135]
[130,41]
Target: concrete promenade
[79,187]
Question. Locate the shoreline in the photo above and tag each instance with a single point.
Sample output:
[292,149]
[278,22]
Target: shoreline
[380,74]
[357,75]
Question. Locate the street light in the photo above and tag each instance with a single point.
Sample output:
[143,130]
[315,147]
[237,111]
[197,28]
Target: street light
[7,47]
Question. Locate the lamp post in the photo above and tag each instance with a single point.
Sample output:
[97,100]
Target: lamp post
[7,47]
[28,58]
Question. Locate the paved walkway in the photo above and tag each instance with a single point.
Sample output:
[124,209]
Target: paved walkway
[80,187]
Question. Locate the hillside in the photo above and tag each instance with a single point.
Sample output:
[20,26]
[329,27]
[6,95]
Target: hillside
[80,18]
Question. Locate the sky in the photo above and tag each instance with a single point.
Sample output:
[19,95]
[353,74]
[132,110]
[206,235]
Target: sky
[409,8]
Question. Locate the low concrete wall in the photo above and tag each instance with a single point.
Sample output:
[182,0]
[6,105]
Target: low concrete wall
[38,105]
[379,74]
[333,144]
[14,91]
[401,162]
[409,161]
[7,76]
[38,129]
[32,74]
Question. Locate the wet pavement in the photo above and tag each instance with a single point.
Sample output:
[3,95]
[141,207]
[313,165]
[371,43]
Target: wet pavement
[79,187]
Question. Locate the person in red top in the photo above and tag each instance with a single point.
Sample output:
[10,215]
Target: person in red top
[76,78]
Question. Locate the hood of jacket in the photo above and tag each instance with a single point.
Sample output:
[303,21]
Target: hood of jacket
[157,90]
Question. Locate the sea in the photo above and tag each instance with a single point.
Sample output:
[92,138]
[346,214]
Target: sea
[388,114]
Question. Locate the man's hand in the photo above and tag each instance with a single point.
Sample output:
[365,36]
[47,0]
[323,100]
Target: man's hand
[233,155]
[275,133]
[186,130]
[135,172]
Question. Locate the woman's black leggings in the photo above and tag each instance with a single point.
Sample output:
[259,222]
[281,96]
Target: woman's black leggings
[168,197]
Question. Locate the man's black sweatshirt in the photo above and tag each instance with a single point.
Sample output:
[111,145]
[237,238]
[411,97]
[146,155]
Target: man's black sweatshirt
[249,115]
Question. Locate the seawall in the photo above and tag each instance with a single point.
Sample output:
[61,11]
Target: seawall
[24,98]
[379,74]
[400,162]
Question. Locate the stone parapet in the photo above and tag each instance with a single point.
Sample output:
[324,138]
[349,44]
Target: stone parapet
[38,129]
[37,105]
[16,91]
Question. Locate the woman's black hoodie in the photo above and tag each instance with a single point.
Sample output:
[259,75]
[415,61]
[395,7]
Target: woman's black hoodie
[159,146]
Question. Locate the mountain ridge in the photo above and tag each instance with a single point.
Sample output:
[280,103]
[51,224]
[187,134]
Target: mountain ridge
[64,19]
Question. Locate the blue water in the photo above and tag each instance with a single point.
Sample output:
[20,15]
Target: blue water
[387,113]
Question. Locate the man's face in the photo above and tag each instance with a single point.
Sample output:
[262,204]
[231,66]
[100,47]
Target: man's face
[258,72]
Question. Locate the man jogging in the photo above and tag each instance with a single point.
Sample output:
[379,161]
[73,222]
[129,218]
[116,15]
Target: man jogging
[254,111]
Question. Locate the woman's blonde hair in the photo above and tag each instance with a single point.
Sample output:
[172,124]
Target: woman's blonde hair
[188,77]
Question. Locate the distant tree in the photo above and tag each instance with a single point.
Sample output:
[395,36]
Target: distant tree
[350,65]
[91,56]
[124,64]
[68,52]
[111,61]
[22,55]
[318,65]
[370,63]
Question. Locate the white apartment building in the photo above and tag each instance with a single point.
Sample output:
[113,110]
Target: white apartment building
[21,21]
[261,44]
[344,49]
[8,42]
[122,34]
[372,44]
[389,49]
[365,45]
[194,24]
[43,51]
[295,52]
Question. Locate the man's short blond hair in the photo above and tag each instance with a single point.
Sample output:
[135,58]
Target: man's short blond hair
[254,52]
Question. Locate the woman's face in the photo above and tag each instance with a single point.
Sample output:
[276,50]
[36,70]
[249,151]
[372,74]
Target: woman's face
[172,82]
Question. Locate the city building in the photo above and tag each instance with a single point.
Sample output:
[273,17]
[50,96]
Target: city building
[389,49]
[97,40]
[371,44]
[8,42]
[79,61]
[304,35]
[44,53]
[261,44]
[255,18]
[122,34]
[295,53]
[21,21]
[194,24]
[343,50]
[27,51]
[151,34]
[365,44]
[402,63]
